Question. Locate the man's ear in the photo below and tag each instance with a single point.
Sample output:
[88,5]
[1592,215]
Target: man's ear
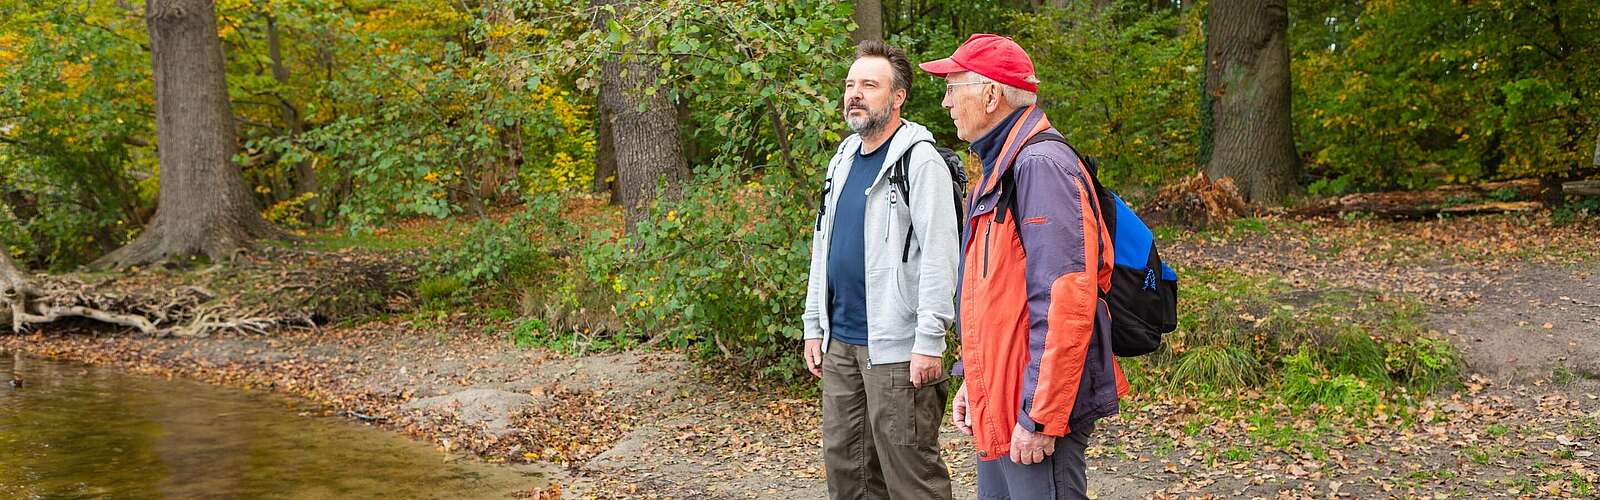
[899,98]
[991,98]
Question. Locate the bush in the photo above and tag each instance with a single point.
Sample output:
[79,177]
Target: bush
[439,291]
[1328,347]
[717,277]
[509,250]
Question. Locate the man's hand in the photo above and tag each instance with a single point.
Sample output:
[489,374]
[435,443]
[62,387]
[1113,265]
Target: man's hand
[925,369]
[959,414]
[814,356]
[1028,448]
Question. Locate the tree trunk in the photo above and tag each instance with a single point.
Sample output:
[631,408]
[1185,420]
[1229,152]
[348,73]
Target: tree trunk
[644,124]
[305,172]
[14,289]
[1597,152]
[204,206]
[605,154]
[1248,92]
[12,280]
[869,20]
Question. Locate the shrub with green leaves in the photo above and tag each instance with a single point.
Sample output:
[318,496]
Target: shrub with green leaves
[77,170]
[494,251]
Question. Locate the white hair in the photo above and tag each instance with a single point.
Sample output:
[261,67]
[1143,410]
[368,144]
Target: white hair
[1014,96]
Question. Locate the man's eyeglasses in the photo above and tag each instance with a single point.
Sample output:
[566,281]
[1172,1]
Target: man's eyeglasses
[948,87]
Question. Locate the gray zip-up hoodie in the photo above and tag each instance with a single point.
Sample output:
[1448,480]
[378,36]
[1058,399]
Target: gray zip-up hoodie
[911,304]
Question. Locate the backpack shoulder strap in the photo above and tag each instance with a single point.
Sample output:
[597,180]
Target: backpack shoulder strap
[1007,204]
[900,175]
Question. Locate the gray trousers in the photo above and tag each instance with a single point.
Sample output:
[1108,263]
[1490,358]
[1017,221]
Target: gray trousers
[1061,475]
[880,434]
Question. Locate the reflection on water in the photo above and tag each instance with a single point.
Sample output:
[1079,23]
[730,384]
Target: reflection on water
[78,431]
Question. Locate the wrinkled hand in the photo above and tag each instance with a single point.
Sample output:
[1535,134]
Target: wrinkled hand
[959,414]
[813,357]
[925,369]
[1028,448]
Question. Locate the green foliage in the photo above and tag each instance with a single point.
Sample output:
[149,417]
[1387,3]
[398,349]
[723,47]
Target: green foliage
[426,124]
[1411,94]
[529,333]
[500,251]
[440,291]
[289,213]
[1583,210]
[1216,368]
[717,271]
[1122,83]
[74,129]
[1307,382]
[1424,363]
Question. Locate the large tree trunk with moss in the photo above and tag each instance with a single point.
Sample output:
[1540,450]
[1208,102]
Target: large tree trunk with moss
[869,20]
[644,125]
[1248,92]
[204,207]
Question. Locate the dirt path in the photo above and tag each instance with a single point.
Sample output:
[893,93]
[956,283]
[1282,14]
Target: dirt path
[646,424]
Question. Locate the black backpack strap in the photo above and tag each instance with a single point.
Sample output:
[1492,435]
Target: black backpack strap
[1009,184]
[900,175]
[1008,180]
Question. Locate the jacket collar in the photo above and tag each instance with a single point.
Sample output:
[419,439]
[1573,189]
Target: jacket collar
[1000,146]
[988,147]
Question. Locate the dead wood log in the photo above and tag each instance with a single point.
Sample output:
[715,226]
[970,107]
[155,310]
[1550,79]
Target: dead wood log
[1409,211]
[1582,188]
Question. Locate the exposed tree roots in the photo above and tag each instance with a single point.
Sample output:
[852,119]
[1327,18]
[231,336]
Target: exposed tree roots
[273,288]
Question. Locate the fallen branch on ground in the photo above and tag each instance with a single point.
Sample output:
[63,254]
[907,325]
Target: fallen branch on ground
[1581,188]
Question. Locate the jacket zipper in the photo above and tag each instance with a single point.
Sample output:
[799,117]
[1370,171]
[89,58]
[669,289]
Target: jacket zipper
[986,229]
[888,216]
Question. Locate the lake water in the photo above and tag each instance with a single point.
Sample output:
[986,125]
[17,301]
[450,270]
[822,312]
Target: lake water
[75,431]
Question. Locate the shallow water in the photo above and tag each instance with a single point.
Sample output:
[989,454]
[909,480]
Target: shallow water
[74,431]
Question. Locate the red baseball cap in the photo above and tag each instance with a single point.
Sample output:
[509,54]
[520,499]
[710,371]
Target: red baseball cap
[994,56]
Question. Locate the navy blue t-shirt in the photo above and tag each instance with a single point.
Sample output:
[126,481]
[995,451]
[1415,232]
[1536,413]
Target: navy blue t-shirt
[847,263]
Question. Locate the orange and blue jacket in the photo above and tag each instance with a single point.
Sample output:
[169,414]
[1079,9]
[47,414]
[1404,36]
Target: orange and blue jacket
[1035,333]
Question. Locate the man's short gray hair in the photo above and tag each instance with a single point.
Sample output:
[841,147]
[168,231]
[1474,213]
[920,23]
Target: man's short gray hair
[1015,96]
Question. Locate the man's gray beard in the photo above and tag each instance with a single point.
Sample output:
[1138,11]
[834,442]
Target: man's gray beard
[873,124]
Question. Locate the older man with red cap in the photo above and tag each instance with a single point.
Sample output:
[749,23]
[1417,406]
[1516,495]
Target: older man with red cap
[1035,261]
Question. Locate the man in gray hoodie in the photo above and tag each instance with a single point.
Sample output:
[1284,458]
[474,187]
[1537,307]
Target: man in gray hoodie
[881,293]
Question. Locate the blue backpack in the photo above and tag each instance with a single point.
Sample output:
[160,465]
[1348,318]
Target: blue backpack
[1144,290]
